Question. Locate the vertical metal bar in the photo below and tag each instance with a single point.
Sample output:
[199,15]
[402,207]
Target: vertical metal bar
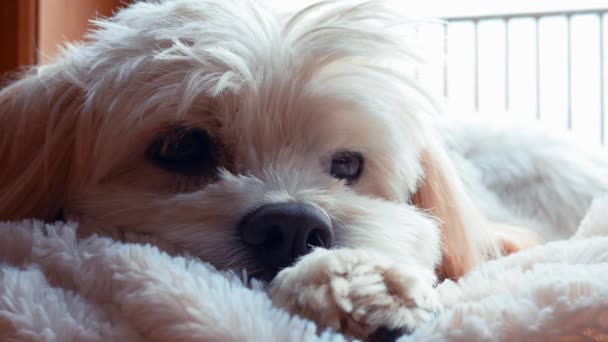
[445,59]
[476,61]
[602,104]
[537,57]
[569,61]
[507,66]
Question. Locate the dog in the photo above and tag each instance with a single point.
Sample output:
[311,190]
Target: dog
[299,148]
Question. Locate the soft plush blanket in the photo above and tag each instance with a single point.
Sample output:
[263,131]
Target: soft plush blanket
[54,287]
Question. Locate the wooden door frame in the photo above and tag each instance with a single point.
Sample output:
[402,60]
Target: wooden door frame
[18,35]
[29,35]
[27,32]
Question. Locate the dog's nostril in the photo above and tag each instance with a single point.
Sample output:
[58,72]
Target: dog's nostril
[317,238]
[280,233]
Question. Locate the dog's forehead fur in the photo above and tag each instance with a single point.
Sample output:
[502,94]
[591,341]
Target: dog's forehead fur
[268,85]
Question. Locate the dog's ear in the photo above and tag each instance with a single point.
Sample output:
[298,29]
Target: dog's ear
[438,194]
[467,236]
[37,116]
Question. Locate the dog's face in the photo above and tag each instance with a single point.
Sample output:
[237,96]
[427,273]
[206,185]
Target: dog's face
[219,129]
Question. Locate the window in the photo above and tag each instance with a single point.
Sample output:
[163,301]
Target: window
[540,60]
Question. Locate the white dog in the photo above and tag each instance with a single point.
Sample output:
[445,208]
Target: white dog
[221,129]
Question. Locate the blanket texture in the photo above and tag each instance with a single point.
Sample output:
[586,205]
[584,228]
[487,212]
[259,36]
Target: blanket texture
[54,287]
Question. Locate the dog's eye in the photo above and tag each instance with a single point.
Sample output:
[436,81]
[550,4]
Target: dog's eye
[346,165]
[184,150]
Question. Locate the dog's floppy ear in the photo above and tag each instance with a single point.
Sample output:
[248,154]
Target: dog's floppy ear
[37,116]
[467,236]
[439,194]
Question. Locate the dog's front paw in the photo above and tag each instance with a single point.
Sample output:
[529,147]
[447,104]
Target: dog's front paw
[356,292]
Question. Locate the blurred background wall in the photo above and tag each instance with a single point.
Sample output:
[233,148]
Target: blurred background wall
[32,30]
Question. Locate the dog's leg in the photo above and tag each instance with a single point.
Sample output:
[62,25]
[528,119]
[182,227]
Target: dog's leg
[357,292]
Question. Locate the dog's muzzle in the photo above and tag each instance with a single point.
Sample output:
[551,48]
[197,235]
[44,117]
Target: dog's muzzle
[279,233]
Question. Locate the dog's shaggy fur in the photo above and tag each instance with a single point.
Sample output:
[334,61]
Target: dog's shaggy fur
[277,95]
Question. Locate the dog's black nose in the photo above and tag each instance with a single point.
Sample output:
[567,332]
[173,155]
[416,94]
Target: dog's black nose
[281,232]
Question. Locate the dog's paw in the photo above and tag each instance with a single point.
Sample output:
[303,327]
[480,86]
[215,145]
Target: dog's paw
[356,292]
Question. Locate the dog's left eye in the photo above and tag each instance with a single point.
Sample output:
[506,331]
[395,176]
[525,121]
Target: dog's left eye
[185,150]
[346,165]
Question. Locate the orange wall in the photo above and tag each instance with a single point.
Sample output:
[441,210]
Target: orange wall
[61,20]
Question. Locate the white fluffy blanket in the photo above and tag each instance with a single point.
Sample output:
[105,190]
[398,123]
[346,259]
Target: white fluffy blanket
[56,288]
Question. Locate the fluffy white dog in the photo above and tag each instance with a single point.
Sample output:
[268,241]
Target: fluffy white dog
[297,148]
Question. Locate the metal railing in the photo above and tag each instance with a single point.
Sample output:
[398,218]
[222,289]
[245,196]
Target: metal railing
[600,13]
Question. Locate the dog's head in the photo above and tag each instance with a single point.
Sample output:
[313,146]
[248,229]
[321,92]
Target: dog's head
[223,130]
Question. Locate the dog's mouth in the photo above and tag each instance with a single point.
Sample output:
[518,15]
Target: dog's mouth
[264,277]
[266,274]
[259,277]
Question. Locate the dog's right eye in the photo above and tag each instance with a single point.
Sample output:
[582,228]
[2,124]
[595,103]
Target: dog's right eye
[184,150]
